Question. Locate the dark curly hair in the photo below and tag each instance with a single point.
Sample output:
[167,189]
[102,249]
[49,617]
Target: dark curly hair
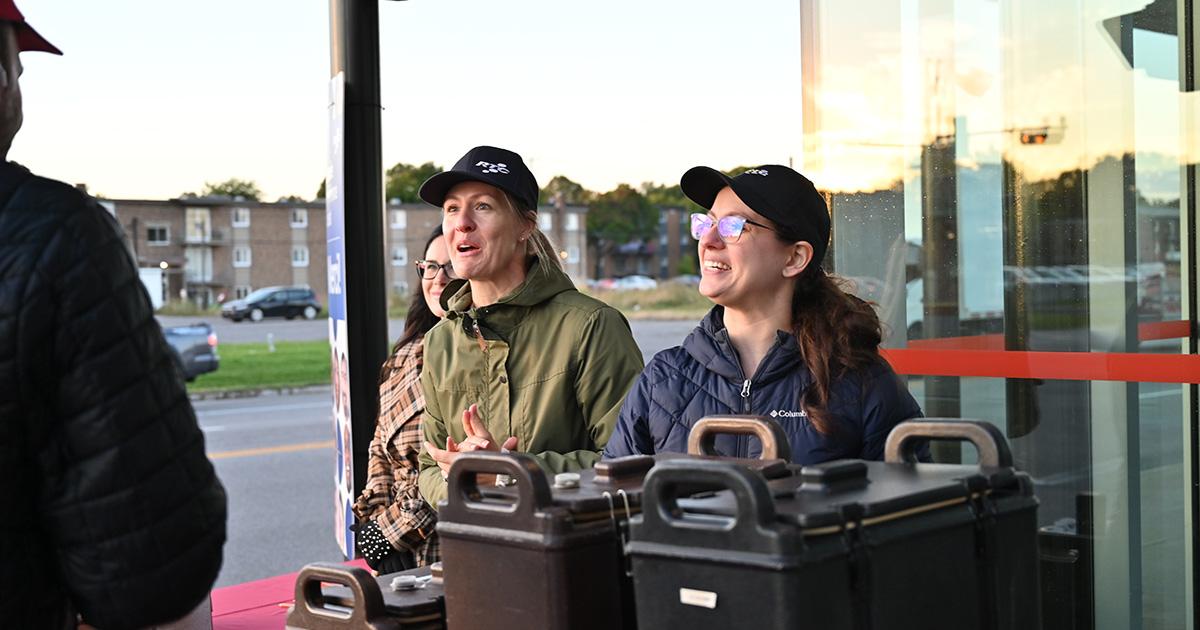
[838,334]
[420,319]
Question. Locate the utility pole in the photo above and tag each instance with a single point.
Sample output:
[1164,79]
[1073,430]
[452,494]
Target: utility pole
[361,315]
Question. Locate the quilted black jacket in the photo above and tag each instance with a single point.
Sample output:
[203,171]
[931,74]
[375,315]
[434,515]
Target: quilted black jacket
[110,507]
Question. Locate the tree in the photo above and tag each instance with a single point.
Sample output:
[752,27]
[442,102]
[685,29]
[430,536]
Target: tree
[572,193]
[292,199]
[232,188]
[619,216]
[404,180]
[666,196]
[321,190]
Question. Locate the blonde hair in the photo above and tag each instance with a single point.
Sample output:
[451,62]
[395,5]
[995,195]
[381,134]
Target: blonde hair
[538,243]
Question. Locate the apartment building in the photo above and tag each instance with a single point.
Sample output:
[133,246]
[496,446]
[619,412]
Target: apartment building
[215,249]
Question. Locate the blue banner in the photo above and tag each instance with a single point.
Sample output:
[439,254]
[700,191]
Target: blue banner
[335,247]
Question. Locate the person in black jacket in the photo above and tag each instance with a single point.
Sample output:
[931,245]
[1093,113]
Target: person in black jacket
[113,514]
[783,341]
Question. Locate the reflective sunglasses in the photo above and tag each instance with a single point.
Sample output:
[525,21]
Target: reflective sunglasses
[429,269]
[729,228]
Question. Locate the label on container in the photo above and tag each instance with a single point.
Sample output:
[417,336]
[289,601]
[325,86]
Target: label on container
[693,597]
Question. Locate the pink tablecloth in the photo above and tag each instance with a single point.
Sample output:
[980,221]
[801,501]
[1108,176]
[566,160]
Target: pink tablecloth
[258,604]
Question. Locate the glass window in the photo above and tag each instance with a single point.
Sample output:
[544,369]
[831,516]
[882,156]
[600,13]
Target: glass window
[198,265]
[299,255]
[545,221]
[241,217]
[299,217]
[241,256]
[572,221]
[399,219]
[1011,177]
[198,225]
[241,291]
[158,234]
[399,255]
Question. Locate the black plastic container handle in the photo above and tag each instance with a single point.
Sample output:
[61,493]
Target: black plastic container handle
[752,529]
[533,491]
[775,445]
[310,612]
[904,439]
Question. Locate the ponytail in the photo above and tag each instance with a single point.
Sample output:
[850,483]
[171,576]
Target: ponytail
[538,243]
[838,334]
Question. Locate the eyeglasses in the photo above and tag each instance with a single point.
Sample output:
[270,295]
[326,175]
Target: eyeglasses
[729,228]
[429,269]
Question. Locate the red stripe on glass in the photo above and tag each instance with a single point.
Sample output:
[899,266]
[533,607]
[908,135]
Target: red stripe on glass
[1150,331]
[1064,366]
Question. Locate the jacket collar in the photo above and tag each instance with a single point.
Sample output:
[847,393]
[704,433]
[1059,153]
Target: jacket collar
[542,283]
[709,344]
[12,175]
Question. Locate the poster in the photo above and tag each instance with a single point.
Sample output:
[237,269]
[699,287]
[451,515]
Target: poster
[335,247]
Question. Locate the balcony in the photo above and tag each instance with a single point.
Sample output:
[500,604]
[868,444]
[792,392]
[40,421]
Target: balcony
[220,279]
[213,238]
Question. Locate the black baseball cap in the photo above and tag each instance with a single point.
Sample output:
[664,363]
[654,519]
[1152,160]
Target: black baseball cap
[499,167]
[777,192]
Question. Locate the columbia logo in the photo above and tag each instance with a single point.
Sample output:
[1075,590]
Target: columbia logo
[775,413]
[756,171]
[488,167]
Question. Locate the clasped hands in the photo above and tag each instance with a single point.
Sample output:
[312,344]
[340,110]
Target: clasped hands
[478,439]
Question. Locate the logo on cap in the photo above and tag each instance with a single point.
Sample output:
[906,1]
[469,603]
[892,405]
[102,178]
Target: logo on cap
[756,171]
[488,167]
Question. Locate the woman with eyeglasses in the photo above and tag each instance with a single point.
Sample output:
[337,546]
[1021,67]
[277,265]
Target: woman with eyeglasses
[523,360]
[783,341]
[395,529]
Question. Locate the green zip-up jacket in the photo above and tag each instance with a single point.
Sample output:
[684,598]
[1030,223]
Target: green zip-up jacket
[546,364]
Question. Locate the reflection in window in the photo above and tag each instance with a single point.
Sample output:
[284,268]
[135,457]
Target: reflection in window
[1008,175]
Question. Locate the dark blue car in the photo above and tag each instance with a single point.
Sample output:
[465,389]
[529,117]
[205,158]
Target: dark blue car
[194,349]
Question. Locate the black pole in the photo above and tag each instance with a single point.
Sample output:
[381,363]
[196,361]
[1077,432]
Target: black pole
[354,50]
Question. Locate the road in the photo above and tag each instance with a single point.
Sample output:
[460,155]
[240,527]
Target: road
[275,456]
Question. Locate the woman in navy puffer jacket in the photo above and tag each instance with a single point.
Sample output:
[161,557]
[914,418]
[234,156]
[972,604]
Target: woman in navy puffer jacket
[783,340]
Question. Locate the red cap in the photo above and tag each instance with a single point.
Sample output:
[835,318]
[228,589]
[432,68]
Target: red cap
[27,38]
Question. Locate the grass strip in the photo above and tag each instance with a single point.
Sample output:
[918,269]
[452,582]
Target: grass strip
[254,366]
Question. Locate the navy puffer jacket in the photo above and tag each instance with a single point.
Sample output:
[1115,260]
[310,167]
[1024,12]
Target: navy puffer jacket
[703,377]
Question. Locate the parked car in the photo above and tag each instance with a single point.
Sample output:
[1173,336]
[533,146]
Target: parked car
[194,349]
[635,283]
[287,302]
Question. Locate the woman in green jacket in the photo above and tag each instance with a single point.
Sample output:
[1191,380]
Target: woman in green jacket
[523,361]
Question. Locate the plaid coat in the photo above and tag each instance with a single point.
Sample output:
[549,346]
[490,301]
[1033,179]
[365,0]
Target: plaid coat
[391,497]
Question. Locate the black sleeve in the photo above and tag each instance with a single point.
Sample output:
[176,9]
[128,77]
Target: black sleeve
[887,404]
[132,508]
